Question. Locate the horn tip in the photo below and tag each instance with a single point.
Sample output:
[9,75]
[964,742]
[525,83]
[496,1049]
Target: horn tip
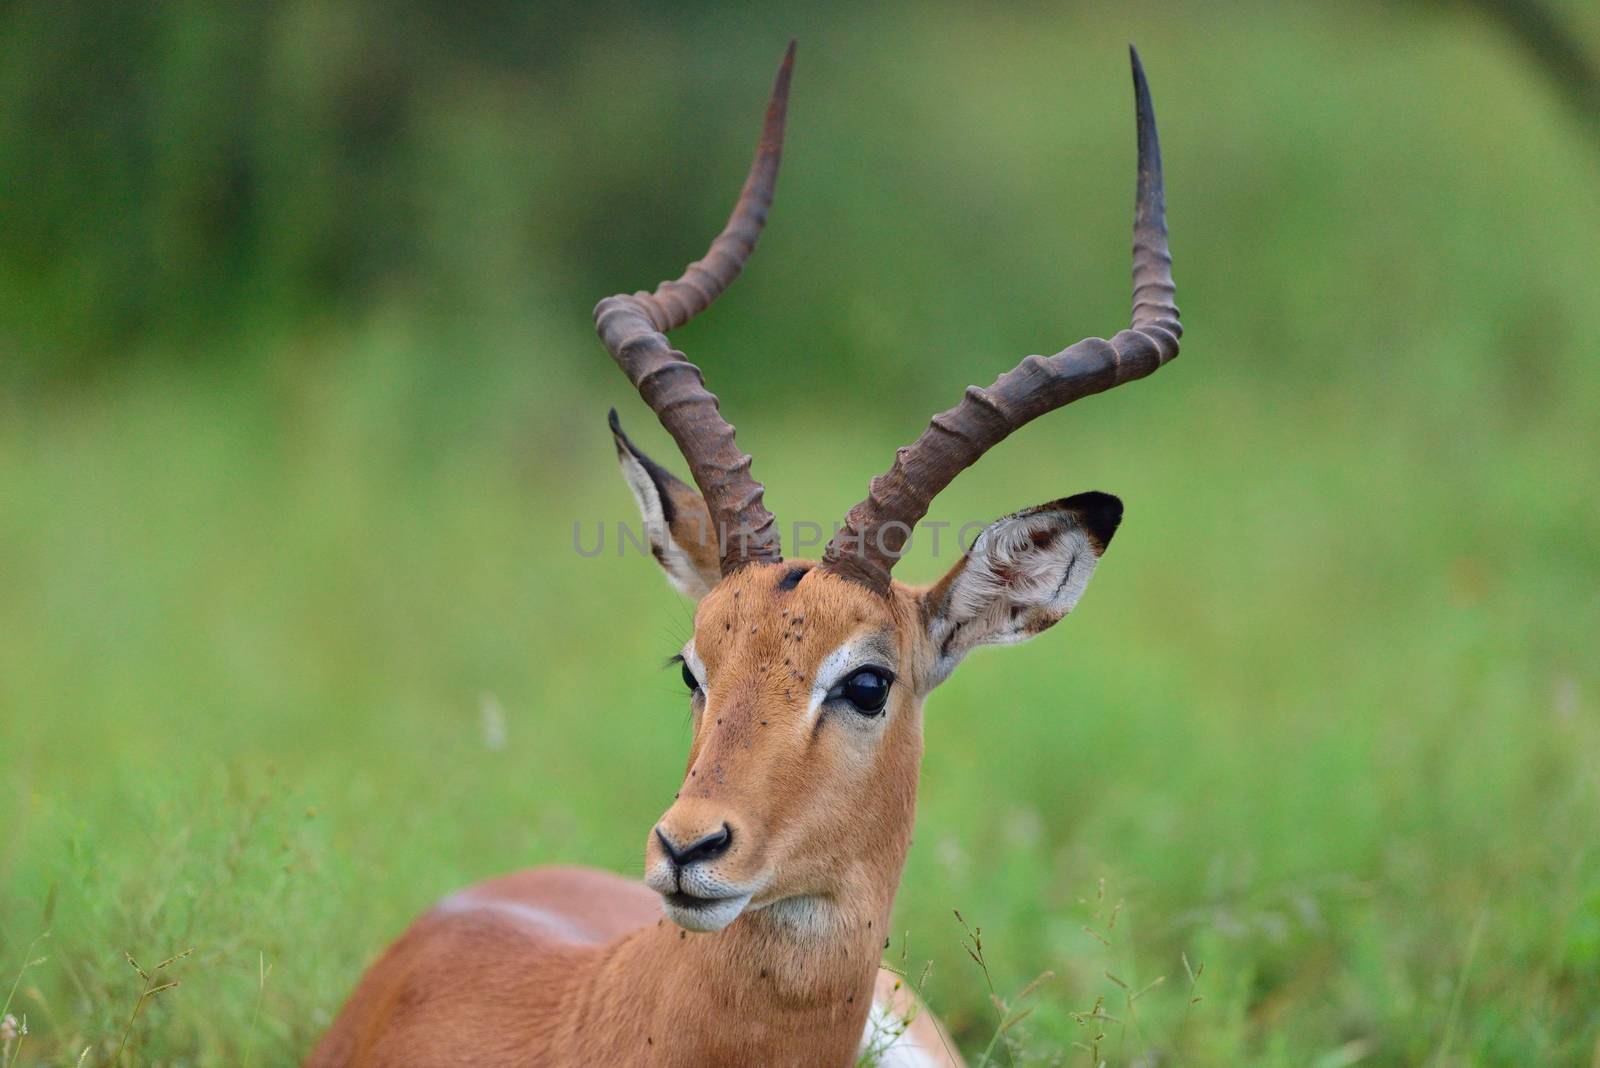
[785,71]
[1144,117]
[1139,83]
[778,105]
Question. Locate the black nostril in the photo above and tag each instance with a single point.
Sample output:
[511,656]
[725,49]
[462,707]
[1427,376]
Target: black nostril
[710,847]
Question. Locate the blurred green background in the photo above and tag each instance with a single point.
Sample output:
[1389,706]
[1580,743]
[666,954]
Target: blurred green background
[299,403]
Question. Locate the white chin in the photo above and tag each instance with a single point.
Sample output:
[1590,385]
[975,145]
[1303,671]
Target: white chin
[713,915]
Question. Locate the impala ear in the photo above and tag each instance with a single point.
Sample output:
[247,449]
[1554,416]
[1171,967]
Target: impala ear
[676,519]
[1022,574]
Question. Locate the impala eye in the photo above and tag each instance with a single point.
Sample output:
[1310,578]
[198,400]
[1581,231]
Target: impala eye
[867,689]
[689,680]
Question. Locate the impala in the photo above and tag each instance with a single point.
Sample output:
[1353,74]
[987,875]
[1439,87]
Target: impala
[756,937]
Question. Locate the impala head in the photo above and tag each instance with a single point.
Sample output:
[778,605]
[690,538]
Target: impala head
[806,679]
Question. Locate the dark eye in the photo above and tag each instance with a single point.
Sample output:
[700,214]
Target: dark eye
[689,680]
[867,689]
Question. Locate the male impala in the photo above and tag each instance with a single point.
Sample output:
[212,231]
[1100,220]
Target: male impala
[771,876]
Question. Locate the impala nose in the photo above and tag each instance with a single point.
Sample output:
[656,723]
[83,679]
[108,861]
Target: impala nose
[709,847]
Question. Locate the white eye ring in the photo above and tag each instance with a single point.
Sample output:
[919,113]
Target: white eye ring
[864,652]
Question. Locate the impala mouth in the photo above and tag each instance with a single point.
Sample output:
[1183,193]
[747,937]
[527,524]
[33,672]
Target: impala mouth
[695,913]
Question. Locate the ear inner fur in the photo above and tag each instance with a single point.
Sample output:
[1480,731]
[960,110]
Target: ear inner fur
[1022,575]
[675,517]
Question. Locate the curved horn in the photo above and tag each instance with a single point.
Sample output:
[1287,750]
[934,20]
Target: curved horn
[875,531]
[634,327]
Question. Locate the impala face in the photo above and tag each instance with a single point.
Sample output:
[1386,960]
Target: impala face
[803,692]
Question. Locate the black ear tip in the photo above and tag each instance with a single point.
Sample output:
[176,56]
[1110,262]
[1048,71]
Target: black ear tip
[1100,514]
[618,436]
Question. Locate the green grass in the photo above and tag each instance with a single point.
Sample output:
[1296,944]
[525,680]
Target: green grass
[1326,724]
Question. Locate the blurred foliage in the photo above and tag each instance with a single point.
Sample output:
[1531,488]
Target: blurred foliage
[171,172]
[299,402]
